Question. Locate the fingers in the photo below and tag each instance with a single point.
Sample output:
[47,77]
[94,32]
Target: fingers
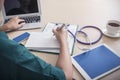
[16,22]
[61,28]
[21,24]
[21,21]
[54,31]
[16,18]
[58,28]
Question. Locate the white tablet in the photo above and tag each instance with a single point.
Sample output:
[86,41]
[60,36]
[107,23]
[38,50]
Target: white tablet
[96,62]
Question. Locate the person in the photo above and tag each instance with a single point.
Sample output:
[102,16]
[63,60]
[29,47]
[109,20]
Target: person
[18,63]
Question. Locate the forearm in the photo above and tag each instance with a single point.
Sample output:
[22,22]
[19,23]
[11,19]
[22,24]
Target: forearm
[64,60]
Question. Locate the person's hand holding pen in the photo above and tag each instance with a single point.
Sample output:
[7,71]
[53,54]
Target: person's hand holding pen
[61,33]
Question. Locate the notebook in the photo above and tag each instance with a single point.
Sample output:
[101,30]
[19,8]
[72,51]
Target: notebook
[46,42]
[29,10]
[97,62]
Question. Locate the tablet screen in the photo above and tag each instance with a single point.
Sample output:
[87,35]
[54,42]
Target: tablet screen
[97,61]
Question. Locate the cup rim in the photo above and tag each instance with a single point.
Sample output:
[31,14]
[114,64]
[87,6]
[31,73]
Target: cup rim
[114,21]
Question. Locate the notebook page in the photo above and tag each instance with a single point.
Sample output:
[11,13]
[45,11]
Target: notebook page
[46,42]
[50,26]
[42,40]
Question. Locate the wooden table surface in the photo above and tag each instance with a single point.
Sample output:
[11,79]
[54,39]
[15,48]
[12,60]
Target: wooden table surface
[81,12]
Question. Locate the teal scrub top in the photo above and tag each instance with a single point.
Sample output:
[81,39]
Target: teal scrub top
[18,63]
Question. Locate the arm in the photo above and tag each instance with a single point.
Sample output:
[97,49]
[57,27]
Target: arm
[24,64]
[64,60]
[13,24]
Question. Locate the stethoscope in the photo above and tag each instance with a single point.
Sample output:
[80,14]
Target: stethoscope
[80,31]
[85,34]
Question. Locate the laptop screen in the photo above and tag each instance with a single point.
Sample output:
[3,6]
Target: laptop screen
[17,7]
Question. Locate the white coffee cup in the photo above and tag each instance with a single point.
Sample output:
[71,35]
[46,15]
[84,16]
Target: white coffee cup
[113,27]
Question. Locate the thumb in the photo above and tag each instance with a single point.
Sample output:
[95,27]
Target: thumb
[54,31]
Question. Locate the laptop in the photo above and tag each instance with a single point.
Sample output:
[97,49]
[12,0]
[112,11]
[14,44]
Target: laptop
[29,10]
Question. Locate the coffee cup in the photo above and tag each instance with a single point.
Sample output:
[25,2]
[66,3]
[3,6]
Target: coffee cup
[113,27]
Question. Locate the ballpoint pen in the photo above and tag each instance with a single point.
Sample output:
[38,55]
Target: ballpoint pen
[63,25]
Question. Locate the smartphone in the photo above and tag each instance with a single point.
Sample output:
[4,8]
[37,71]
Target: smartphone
[21,37]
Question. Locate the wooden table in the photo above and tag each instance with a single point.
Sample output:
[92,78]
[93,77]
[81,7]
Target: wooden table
[81,12]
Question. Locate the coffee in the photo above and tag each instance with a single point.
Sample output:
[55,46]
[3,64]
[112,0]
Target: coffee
[113,27]
[114,24]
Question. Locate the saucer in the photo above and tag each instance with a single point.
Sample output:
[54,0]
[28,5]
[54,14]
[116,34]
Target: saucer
[109,35]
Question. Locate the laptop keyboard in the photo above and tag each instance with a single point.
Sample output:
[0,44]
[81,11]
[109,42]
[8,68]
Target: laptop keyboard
[28,19]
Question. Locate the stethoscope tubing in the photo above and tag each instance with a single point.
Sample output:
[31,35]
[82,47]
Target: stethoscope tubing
[81,31]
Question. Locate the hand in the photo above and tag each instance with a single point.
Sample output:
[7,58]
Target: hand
[13,24]
[61,34]
[64,56]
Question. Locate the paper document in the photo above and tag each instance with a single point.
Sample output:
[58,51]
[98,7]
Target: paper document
[42,40]
[46,42]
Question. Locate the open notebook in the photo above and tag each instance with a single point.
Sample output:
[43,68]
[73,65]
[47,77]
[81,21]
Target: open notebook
[46,42]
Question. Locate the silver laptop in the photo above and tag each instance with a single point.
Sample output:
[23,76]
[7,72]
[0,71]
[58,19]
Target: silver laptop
[29,10]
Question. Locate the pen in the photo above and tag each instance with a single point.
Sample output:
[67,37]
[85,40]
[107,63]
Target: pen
[63,25]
